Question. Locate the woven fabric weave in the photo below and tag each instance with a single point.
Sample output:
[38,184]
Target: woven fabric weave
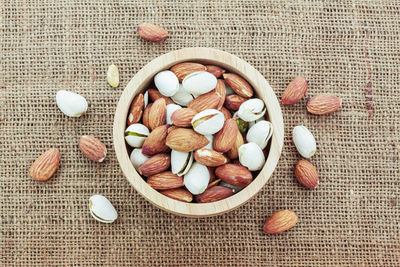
[347,48]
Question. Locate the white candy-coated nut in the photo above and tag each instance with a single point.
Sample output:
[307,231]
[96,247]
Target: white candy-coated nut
[181,162]
[182,97]
[199,82]
[211,139]
[135,134]
[251,109]
[197,179]
[171,108]
[71,104]
[260,133]
[208,121]
[167,83]
[146,98]
[101,209]
[113,76]
[304,141]
[137,158]
[251,156]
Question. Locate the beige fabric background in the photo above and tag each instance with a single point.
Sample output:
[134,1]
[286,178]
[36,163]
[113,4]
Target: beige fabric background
[348,48]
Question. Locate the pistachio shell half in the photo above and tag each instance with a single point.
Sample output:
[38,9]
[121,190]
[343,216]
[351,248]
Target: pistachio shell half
[197,179]
[251,156]
[208,121]
[167,83]
[181,162]
[199,82]
[252,109]
[136,134]
[101,209]
[260,133]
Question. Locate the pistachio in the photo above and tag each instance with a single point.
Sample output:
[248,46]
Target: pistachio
[182,97]
[260,133]
[251,109]
[199,82]
[242,125]
[136,134]
[71,104]
[304,141]
[197,179]
[251,123]
[181,162]
[171,108]
[146,98]
[101,209]
[251,156]
[167,83]
[113,76]
[137,158]
[208,121]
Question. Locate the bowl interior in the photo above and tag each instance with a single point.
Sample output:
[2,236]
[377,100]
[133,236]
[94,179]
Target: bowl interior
[231,63]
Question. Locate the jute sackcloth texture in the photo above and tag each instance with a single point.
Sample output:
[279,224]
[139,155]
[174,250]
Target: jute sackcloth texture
[347,48]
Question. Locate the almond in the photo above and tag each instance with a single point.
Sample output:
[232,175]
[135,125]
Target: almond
[306,174]
[146,113]
[213,183]
[233,153]
[226,137]
[155,142]
[206,101]
[181,70]
[155,95]
[226,112]
[92,148]
[157,114]
[151,32]
[215,70]
[165,180]
[233,174]
[212,175]
[155,164]
[280,221]
[185,140]
[209,157]
[214,193]
[238,84]
[295,91]
[136,109]
[323,104]
[233,102]
[220,89]
[183,117]
[178,194]
[45,165]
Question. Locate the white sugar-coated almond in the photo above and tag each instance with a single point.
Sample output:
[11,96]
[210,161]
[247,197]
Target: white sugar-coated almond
[167,83]
[199,82]
[101,209]
[71,104]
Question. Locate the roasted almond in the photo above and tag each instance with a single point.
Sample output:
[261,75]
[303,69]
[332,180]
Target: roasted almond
[233,102]
[45,165]
[238,84]
[92,148]
[280,221]
[157,114]
[146,113]
[215,70]
[226,137]
[181,70]
[306,174]
[136,109]
[178,194]
[214,193]
[155,95]
[185,140]
[213,183]
[206,101]
[295,91]
[155,164]
[209,157]
[323,104]
[155,142]
[183,117]
[165,180]
[233,174]
[226,112]
[233,153]
[151,32]
[220,90]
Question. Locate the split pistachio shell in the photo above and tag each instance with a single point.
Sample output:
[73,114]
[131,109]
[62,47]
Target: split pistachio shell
[101,209]
[304,141]
[167,83]
[181,162]
[234,188]
[182,97]
[251,156]
[113,76]
[211,139]
[146,98]
[208,121]
[251,109]
[136,134]
[197,179]
[171,108]
[71,104]
[137,158]
[199,82]
[260,133]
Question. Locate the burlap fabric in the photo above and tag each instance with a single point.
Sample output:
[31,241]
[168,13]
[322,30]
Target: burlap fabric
[350,49]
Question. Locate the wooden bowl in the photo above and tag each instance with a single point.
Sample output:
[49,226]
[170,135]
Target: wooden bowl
[232,64]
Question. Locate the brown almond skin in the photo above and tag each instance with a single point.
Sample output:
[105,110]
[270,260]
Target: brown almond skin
[155,95]
[136,110]
[295,91]
[233,153]
[211,159]
[45,165]
[157,114]
[185,140]
[323,104]
[165,180]
[280,221]
[233,174]
[212,175]
[226,137]
[215,70]
[155,164]
[155,142]
[214,193]
[306,174]
[178,194]
[146,113]
[209,100]
[233,102]
[151,32]
[183,117]
[220,89]
[213,183]
[226,112]
[92,148]
[181,70]
[238,84]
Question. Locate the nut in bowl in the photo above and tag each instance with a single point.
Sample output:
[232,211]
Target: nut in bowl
[188,166]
